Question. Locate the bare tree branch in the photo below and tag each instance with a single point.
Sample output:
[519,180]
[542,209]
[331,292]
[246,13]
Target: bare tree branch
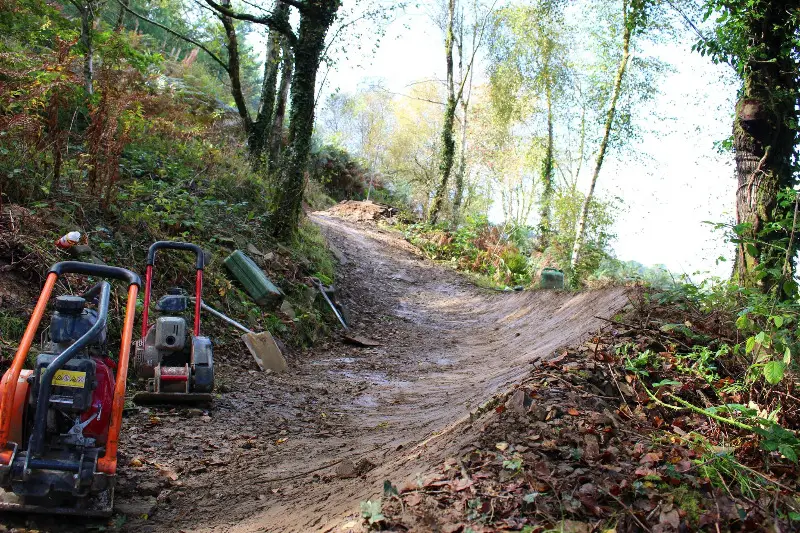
[211,54]
[270,21]
[475,47]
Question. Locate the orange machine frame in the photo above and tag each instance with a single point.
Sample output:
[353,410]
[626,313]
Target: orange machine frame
[8,386]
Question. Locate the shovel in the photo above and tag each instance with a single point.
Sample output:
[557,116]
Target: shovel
[261,345]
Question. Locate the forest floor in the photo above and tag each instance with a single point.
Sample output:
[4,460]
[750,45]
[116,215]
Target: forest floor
[300,450]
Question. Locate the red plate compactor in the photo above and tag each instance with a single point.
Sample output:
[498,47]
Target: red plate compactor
[178,365]
[60,423]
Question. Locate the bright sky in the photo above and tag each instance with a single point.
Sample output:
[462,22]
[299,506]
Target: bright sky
[676,181]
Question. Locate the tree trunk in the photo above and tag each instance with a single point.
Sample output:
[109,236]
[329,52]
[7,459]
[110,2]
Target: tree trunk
[547,174]
[581,150]
[612,109]
[764,133]
[233,69]
[462,164]
[276,137]
[260,130]
[120,24]
[461,173]
[315,19]
[448,141]
[87,25]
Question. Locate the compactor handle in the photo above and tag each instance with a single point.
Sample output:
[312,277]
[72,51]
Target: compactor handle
[174,245]
[198,286]
[100,271]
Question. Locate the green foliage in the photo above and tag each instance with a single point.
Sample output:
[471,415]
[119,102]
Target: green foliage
[144,158]
[372,512]
[310,247]
[760,39]
[730,42]
[748,370]
[496,253]
[612,270]
[12,326]
[342,176]
[598,234]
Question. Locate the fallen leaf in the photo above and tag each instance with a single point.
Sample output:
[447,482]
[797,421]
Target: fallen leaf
[647,472]
[590,504]
[281,440]
[573,411]
[651,458]
[413,499]
[461,484]
[502,446]
[670,518]
[167,472]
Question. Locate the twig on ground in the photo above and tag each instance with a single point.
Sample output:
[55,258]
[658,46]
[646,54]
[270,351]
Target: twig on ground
[614,376]
[628,509]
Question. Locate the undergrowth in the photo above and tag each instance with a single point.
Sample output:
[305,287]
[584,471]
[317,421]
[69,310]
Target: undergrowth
[510,255]
[726,354]
[144,157]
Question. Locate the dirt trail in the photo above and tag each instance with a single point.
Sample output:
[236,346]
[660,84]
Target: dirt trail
[263,458]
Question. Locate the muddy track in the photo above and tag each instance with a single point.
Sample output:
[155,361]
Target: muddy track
[265,458]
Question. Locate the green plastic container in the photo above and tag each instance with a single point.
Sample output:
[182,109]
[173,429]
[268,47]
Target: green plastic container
[552,278]
[252,278]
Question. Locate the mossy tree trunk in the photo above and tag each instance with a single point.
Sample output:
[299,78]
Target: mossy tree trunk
[316,17]
[120,24]
[258,138]
[276,137]
[764,135]
[461,172]
[87,11]
[548,169]
[447,154]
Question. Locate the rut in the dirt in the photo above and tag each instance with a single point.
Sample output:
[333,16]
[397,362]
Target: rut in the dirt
[265,458]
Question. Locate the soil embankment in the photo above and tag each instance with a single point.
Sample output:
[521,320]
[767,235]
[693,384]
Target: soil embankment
[298,451]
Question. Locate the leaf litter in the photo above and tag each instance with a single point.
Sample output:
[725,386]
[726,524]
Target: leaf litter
[593,441]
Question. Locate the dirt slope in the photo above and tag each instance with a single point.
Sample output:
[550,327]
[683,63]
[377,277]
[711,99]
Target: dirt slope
[265,458]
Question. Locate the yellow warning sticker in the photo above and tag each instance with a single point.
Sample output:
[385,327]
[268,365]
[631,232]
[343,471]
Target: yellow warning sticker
[69,378]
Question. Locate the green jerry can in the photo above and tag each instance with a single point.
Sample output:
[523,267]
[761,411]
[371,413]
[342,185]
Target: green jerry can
[257,285]
[552,278]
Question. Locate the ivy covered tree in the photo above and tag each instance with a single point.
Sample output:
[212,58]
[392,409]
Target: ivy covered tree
[530,64]
[760,39]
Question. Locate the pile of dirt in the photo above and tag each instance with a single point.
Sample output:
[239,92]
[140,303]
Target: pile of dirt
[367,211]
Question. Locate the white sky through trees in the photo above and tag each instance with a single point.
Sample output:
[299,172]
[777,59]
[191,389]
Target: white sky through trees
[671,181]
